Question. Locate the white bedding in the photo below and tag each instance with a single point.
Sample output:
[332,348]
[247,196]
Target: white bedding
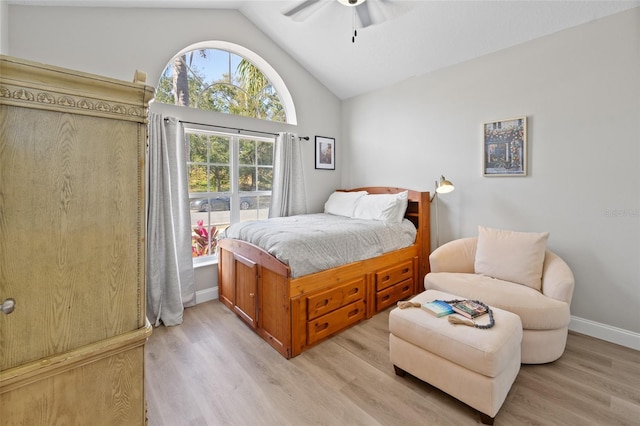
[315,242]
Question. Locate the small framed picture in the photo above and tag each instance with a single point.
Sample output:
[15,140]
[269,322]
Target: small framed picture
[325,153]
[505,147]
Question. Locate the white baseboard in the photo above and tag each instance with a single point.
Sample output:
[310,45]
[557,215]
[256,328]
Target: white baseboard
[206,294]
[605,332]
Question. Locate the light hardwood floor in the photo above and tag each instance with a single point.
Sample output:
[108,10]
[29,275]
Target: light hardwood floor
[213,370]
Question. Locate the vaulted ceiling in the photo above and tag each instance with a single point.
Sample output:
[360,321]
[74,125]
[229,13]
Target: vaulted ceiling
[401,39]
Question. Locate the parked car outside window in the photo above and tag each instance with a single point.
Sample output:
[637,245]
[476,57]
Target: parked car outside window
[222,203]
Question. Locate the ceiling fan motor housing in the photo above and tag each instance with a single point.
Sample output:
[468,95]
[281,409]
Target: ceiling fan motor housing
[351,2]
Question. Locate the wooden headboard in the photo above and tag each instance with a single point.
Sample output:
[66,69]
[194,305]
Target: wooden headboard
[419,213]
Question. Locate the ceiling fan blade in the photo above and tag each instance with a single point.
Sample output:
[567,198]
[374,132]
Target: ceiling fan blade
[384,10]
[304,9]
[363,14]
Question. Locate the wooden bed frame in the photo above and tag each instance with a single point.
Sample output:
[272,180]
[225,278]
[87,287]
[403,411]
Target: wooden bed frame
[292,314]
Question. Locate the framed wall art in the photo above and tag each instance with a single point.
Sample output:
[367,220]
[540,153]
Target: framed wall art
[325,153]
[505,147]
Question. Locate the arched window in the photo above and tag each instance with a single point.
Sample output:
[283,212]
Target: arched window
[226,78]
[229,172]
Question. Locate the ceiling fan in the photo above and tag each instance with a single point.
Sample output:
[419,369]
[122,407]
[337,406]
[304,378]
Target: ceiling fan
[365,12]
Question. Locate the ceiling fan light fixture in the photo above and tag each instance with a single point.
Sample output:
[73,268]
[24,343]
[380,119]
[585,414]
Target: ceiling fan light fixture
[351,2]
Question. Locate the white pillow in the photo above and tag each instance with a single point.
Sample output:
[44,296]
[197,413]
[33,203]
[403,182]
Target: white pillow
[512,256]
[385,207]
[403,202]
[343,203]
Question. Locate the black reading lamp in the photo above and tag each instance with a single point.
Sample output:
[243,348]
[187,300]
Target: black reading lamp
[442,187]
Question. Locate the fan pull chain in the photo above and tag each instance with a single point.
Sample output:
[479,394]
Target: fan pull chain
[355,32]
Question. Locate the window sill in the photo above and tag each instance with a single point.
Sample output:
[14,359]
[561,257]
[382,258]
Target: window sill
[200,263]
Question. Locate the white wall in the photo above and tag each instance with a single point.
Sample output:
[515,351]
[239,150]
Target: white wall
[580,90]
[115,42]
[4,27]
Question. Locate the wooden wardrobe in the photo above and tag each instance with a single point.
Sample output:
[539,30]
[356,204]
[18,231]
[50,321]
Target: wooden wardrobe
[72,244]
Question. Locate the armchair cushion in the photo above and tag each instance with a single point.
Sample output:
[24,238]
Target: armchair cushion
[536,311]
[516,257]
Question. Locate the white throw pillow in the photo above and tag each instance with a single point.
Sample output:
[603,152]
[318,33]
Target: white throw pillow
[385,207]
[511,256]
[343,203]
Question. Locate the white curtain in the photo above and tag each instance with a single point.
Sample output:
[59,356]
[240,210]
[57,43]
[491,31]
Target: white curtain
[170,277]
[288,196]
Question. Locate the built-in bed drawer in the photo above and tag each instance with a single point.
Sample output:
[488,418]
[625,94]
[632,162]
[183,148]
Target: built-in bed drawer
[339,319]
[391,295]
[394,275]
[324,302]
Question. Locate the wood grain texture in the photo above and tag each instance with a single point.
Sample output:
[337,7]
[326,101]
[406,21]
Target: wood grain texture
[72,240]
[282,316]
[108,392]
[213,370]
[71,179]
[68,196]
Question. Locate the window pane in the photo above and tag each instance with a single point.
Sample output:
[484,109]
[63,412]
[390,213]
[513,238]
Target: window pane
[205,227]
[265,178]
[197,148]
[235,64]
[247,152]
[220,178]
[265,153]
[257,209]
[219,97]
[218,80]
[247,178]
[219,149]
[198,178]
[217,65]
[263,202]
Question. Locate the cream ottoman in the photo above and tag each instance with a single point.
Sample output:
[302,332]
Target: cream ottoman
[476,366]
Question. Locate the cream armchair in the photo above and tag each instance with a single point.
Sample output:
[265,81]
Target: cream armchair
[544,313]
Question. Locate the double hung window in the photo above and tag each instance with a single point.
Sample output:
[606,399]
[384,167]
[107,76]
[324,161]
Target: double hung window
[230,178]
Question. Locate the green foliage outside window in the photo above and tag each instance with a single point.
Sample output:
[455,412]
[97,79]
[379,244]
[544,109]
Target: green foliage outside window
[216,80]
[208,163]
[256,160]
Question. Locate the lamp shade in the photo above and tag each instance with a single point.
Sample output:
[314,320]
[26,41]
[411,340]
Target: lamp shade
[444,186]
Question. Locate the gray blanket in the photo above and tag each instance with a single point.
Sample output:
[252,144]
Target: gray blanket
[315,242]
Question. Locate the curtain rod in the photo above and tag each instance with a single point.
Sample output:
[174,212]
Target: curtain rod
[228,128]
[236,129]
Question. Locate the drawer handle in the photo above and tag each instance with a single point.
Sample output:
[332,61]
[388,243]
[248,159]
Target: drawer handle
[322,304]
[386,278]
[323,326]
[353,313]
[353,291]
[405,270]
[405,288]
[385,297]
